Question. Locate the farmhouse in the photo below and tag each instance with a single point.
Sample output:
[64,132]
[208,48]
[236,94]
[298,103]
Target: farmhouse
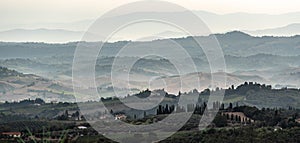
[82,127]
[120,117]
[12,134]
[298,120]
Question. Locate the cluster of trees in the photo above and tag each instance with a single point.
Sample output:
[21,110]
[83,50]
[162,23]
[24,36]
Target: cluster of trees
[165,109]
[241,89]
[195,108]
[198,109]
[29,101]
[237,118]
[68,116]
[5,72]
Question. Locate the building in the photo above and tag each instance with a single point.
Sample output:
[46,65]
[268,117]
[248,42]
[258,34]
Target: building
[298,120]
[277,128]
[82,127]
[120,117]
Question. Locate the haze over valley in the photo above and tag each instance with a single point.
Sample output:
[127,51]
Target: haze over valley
[170,71]
[269,60]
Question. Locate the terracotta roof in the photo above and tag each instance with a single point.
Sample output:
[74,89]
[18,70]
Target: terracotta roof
[11,133]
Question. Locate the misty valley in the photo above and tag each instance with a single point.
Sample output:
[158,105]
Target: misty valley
[260,101]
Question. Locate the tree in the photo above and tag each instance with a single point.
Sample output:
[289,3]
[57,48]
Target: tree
[230,106]
[39,101]
[179,93]
[220,121]
[276,113]
[166,111]
[222,106]
[67,113]
[159,110]
[77,114]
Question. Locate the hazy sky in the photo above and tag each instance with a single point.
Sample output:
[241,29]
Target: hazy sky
[43,11]
[78,15]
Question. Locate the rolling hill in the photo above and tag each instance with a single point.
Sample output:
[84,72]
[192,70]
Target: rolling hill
[15,86]
[289,30]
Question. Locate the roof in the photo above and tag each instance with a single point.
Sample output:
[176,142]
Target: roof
[121,115]
[11,133]
[298,120]
[82,127]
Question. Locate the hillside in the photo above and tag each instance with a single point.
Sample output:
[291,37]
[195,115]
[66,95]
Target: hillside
[270,60]
[233,43]
[289,30]
[15,86]
[173,82]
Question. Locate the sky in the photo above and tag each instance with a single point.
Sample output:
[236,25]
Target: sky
[78,15]
[58,11]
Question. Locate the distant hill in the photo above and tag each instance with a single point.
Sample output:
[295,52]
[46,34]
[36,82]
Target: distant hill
[40,35]
[234,43]
[218,23]
[247,21]
[184,83]
[246,57]
[171,34]
[15,86]
[45,35]
[173,82]
[289,30]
